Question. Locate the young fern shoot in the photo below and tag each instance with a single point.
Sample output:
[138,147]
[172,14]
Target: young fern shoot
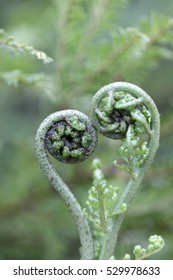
[124,111]
[70,137]
[119,111]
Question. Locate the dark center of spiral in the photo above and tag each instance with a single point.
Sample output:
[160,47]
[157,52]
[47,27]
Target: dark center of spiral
[68,143]
[121,115]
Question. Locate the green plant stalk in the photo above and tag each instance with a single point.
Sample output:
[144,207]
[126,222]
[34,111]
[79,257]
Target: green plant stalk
[87,248]
[110,239]
[102,210]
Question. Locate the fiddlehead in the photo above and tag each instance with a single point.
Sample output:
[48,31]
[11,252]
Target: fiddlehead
[117,106]
[70,137]
[124,111]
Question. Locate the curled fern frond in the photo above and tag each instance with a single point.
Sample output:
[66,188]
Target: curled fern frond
[71,137]
[124,111]
[118,106]
[68,136]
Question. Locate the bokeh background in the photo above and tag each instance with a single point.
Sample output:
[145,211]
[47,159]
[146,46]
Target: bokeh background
[92,43]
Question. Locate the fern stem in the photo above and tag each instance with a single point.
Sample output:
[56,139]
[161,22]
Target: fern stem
[127,196]
[63,121]
[102,210]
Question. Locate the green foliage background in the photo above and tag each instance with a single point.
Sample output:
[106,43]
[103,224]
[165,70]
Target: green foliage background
[92,43]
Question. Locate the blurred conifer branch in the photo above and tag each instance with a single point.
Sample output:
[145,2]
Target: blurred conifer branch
[10,44]
[17,76]
[91,47]
[41,81]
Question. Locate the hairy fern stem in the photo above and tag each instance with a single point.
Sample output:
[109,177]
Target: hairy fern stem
[63,126]
[153,131]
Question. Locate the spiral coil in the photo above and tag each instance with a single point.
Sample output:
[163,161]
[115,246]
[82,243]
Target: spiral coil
[118,105]
[71,137]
